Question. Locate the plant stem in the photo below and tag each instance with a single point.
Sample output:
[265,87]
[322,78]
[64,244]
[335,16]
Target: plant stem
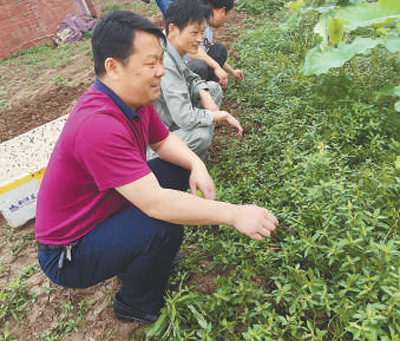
[372,86]
[357,74]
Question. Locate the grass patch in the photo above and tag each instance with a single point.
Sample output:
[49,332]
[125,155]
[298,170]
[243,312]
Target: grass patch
[48,56]
[321,155]
[15,297]
[68,321]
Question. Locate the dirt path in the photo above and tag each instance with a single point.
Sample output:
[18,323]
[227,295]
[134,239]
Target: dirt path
[90,310]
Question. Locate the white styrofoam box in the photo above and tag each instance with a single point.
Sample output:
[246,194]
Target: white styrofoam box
[22,163]
[28,152]
[18,205]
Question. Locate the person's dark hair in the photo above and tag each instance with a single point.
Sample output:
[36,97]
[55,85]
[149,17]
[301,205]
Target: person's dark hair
[215,4]
[182,13]
[114,34]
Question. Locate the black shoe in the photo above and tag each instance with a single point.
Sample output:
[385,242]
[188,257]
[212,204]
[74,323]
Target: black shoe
[179,257]
[124,313]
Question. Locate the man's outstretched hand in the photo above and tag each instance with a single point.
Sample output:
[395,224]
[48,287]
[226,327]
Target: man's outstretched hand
[220,116]
[254,221]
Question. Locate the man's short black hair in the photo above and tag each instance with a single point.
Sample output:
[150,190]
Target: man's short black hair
[215,4]
[114,34]
[185,12]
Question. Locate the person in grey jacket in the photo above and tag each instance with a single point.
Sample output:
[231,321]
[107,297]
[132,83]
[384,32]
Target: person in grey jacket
[188,105]
[210,61]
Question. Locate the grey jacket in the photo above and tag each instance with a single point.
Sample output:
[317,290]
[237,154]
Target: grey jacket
[179,103]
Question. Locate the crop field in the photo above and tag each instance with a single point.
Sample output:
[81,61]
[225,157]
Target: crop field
[320,107]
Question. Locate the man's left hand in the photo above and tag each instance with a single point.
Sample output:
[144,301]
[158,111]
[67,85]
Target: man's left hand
[201,180]
[238,74]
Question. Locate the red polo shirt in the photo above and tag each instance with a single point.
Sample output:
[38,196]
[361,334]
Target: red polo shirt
[102,146]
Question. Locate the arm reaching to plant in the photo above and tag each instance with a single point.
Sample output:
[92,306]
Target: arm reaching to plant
[184,208]
[236,73]
[219,115]
[220,73]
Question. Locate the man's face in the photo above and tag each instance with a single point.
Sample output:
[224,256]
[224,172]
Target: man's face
[189,38]
[139,79]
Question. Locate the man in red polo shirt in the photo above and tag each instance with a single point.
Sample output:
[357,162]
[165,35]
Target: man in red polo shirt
[102,209]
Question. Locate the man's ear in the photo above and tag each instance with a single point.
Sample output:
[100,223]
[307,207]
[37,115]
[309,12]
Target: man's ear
[112,67]
[172,28]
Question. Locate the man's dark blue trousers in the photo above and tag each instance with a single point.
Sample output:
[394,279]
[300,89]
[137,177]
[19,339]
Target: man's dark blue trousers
[132,243]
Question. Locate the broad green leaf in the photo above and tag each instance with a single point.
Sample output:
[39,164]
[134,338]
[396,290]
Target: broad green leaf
[295,4]
[392,44]
[335,29]
[318,62]
[374,14]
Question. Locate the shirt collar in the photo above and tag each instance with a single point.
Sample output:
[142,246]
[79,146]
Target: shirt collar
[177,58]
[126,110]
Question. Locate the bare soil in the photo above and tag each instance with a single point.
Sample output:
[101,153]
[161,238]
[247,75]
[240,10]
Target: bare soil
[31,108]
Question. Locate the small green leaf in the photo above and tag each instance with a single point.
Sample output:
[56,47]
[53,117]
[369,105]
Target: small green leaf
[397,163]
[311,274]
[200,319]
[292,309]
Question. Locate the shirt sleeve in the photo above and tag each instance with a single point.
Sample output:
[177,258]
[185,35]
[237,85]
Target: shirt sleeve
[178,99]
[103,146]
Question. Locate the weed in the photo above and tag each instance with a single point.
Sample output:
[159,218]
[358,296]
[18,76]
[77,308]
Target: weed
[260,7]
[323,158]
[322,155]
[15,296]
[169,324]
[5,334]
[134,6]
[60,80]
[68,321]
